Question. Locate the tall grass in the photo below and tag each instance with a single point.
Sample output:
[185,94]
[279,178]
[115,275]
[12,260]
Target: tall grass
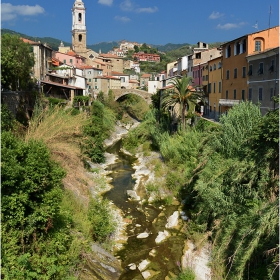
[61,131]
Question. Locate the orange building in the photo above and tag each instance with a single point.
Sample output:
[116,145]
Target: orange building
[215,76]
[235,65]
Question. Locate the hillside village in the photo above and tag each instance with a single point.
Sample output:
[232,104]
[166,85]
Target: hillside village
[244,68]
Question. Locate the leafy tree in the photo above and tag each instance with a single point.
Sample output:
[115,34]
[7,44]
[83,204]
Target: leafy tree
[7,118]
[35,234]
[17,61]
[184,94]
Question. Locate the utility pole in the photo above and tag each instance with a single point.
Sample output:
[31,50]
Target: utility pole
[269,17]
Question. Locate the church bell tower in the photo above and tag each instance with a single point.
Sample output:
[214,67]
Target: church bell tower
[79,27]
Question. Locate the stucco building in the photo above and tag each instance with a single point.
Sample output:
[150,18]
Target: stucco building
[236,70]
[263,78]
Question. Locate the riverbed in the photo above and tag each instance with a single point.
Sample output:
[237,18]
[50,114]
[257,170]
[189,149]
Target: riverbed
[151,250]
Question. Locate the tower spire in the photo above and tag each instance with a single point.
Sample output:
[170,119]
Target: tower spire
[79,27]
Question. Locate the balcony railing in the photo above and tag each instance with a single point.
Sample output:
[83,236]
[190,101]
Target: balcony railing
[229,102]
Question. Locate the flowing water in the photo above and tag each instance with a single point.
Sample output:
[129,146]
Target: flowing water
[164,258]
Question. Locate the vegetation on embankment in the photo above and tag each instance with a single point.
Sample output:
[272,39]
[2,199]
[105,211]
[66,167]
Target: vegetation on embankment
[48,213]
[227,177]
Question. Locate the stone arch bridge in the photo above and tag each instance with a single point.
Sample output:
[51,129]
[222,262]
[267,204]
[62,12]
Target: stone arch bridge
[118,93]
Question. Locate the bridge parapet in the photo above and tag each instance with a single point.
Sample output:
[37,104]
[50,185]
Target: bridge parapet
[142,93]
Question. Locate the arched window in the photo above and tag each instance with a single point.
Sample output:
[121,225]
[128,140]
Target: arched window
[210,68]
[80,38]
[214,67]
[79,17]
[219,65]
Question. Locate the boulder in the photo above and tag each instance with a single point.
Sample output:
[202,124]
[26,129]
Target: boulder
[161,236]
[172,221]
[143,235]
[132,195]
[142,265]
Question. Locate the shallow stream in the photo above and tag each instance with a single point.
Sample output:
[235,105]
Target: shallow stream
[156,260]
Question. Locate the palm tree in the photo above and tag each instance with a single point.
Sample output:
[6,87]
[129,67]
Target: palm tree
[184,94]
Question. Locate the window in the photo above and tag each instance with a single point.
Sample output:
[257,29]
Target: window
[89,72]
[219,65]
[96,87]
[71,60]
[210,68]
[236,48]
[89,80]
[95,79]
[214,67]
[89,87]
[250,72]
[243,46]
[250,94]
[244,72]
[243,94]
[234,94]
[220,87]
[64,61]
[260,71]
[214,87]
[206,78]
[80,37]
[271,68]
[228,51]
[226,94]
[260,93]
[235,73]
[258,46]
[209,88]
[227,74]
[79,17]
[271,94]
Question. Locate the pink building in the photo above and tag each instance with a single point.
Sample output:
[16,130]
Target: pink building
[197,75]
[70,58]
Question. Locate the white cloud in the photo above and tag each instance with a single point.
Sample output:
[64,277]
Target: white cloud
[9,12]
[106,2]
[123,19]
[126,5]
[215,15]
[147,10]
[228,26]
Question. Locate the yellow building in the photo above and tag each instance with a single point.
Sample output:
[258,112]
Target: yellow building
[235,65]
[215,77]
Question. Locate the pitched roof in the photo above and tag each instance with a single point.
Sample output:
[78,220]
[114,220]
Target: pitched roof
[146,76]
[106,55]
[119,73]
[28,41]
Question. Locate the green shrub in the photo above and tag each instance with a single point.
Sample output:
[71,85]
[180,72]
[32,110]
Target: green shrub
[187,274]
[56,101]
[101,219]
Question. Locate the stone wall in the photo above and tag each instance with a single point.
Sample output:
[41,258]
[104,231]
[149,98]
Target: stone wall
[23,101]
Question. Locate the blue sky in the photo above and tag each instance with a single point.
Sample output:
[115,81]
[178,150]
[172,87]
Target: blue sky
[147,21]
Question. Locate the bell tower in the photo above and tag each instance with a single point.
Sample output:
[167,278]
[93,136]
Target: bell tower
[79,27]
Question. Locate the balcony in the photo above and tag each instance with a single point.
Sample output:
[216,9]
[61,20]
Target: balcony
[228,102]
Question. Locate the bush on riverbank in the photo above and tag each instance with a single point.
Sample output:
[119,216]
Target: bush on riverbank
[54,234]
[187,274]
